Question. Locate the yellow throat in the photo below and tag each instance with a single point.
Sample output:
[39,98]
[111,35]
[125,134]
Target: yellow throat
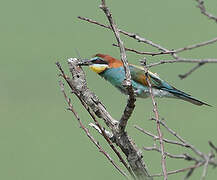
[98,68]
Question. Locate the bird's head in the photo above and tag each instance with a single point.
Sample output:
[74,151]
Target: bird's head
[101,62]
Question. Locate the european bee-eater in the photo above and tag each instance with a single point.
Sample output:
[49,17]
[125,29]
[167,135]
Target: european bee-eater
[113,71]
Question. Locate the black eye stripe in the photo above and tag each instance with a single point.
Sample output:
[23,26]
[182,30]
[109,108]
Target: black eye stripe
[99,61]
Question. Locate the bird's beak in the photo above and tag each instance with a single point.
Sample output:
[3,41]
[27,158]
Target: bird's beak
[85,62]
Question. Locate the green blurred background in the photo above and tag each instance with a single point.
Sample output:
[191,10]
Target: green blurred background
[39,139]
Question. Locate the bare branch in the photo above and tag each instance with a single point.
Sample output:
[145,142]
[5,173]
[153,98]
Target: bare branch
[118,134]
[180,156]
[120,42]
[131,35]
[78,84]
[212,146]
[182,76]
[86,130]
[156,137]
[203,10]
[108,133]
[183,60]
[188,145]
[190,47]
[155,110]
[147,53]
[203,177]
[190,172]
[180,170]
[127,83]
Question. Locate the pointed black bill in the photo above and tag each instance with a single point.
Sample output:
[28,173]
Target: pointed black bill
[85,62]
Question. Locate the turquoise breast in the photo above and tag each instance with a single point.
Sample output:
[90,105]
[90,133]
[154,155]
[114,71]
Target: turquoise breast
[116,77]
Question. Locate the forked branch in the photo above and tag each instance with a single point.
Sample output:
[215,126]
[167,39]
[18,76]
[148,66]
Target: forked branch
[127,83]
[155,110]
[79,87]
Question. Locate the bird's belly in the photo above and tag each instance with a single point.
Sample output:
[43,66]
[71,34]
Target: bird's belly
[116,77]
[161,93]
[143,91]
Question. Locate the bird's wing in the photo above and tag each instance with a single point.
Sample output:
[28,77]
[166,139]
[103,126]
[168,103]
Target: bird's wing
[138,75]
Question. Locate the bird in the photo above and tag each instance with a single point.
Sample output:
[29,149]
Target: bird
[112,70]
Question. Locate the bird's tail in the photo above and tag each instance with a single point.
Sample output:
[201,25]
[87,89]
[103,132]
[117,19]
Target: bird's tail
[186,97]
[191,99]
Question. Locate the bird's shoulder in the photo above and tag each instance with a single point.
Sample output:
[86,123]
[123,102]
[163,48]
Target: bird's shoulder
[139,72]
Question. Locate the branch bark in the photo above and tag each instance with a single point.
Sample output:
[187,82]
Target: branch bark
[118,135]
[183,60]
[78,85]
[183,76]
[155,110]
[70,108]
[203,10]
[131,35]
[127,83]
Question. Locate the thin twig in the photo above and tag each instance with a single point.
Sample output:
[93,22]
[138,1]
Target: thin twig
[70,107]
[126,145]
[156,137]
[108,133]
[104,134]
[127,83]
[79,87]
[182,76]
[212,146]
[131,35]
[190,172]
[190,47]
[203,177]
[188,145]
[146,53]
[180,170]
[180,156]
[183,60]
[155,110]
[203,10]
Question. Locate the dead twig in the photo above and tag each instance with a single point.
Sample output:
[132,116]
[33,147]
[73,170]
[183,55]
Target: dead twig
[180,170]
[190,47]
[203,10]
[212,146]
[182,76]
[157,138]
[108,133]
[118,134]
[182,60]
[147,53]
[79,87]
[131,35]
[70,107]
[203,177]
[190,172]
[155,110]
[180,156]
[187,144]
[127,83]
[107,138]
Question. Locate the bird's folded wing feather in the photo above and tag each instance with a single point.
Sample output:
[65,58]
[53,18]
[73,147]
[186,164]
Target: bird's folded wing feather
[138,75]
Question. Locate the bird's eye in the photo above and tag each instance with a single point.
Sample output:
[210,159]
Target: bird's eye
[98,60]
